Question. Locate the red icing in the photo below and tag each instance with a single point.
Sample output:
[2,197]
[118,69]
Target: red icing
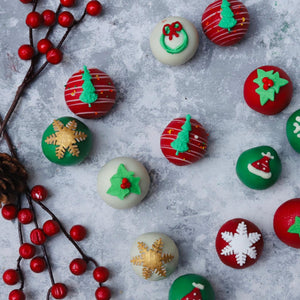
[172,30]
[284,218]
[195,294]
[197,144]
[282,99]
[125,184]
[105,90]
[220,36]
[230,260]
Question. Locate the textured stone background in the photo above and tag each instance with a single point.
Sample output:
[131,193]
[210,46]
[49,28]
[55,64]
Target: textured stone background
[189,203]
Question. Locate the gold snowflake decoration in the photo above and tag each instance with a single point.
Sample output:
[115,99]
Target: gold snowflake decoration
[152,260]
[65,138]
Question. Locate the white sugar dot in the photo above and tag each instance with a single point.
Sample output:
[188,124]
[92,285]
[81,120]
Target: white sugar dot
[264,168]
[196,136]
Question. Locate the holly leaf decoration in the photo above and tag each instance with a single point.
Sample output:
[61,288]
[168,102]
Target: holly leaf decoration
[117,189]
[268,93]
[295,228]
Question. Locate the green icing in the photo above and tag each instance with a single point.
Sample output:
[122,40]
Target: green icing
[116,181]
[50,149]
[293,130]
[252,180]
[183,138]
[185,284]
[269,93]
[179,48]
[228,21]
[88,94]
[295,228]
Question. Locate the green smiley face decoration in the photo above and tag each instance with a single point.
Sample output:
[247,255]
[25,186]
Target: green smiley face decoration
[174,38]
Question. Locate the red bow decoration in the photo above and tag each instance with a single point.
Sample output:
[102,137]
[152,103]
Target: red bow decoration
[170,30]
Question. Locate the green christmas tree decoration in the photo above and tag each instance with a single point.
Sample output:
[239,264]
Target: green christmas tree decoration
[183,138]
[124,183]
[88,94]
[295,228]
[269,84]
[228,21]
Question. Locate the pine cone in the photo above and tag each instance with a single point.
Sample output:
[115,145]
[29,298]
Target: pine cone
[13,178]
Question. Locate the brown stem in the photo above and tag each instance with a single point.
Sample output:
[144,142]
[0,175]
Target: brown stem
[84,256]
[45,254]
[19,270]
[51,27]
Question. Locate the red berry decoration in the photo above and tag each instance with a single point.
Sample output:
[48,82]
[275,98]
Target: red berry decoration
[103,293]
[78,266]
[26,52]
[51,227]
[94,8]
[16,295]
[26,1]
[65,19]
[54,56]
[11,277]
[225,22]
[39,193]
[184,141]
[44,46]
[27,251]
[59,291]
[268,90]
[239,243]
[78,233]
[9,212]
[38,264]
[25,216]
[287,222]
[101,274]
[49,17]
[67,3]
[34,19]
[37,236]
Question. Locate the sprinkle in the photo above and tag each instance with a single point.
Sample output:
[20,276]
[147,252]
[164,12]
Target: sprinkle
[73,93]
[243,19]
[189,150]
[170,131]
[183,158]
[111,91]
[196,136]
[207,23]
[75,85]
[197,126]
[97,76]
[109,83]
[242,24]
[101,92]
[96,113]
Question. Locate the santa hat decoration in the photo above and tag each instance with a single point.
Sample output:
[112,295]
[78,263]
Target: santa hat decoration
[261,167]
[195,294]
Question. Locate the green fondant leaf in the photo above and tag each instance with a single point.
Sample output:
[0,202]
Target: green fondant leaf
[268,94]
[116,181]
[295,228]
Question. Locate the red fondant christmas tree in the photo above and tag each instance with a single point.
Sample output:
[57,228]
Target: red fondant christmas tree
[261,167]
[195,294]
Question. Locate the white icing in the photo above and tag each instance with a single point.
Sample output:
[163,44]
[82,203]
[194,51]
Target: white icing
[259,173]
[110,169]
[297,126]
[179,58]
[240,243]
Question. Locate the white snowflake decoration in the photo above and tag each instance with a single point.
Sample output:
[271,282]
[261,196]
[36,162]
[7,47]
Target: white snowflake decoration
[240,243]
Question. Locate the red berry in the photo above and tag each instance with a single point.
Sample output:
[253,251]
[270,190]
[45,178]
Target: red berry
[38,193]
[34,19]
[59,291]
[11,277]
[26,52]
[44,46]
[49,17]
[94,8]
[54,56]
[38,264]
[102,293]
[65,19]
[37,236]
[26,1]
[16,295]
[27,250]
[101,274]
[67,3]
[25,216]
[78,266]
[9,212]
[51,227]
[78,232]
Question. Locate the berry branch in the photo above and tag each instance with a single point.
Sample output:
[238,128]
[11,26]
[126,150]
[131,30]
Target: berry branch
[13,176]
